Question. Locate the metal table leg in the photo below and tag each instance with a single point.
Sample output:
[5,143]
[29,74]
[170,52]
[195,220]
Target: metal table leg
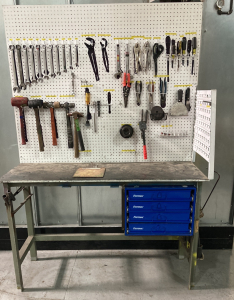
[194,239]
[182,248]
[14,241]
[30,222]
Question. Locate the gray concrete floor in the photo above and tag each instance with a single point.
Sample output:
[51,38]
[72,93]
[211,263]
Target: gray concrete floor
[133,274]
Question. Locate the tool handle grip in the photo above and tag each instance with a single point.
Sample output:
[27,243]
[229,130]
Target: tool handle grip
[168,69]
[144,151]
[69,131]
[129,80]
[124,79]
[82,147]
[76,145]
[53,127]
[22,126]
[39,129]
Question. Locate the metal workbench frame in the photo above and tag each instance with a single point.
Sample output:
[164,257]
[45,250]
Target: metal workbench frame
[187,244]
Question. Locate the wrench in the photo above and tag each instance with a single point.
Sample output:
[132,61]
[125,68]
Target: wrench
[38,53]
[57,60]
[52,73]
[70,57]
[46,72]
[73,83]
[25,55]
[76,56]
[119,72]
[21,74]
[16,87]
[32,63]
[64,59]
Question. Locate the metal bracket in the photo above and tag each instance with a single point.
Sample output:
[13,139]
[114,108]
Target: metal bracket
[9,196]
[220,4]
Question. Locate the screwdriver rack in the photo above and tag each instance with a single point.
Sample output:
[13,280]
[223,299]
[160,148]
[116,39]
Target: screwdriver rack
[70,25]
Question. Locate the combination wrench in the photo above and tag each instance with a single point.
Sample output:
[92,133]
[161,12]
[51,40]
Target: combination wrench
[20,67]
[32,63]
[16,87]
[46,72]
[57,60]
[26,68]
[70,57]
[52,73]
[38,53]
[64,59]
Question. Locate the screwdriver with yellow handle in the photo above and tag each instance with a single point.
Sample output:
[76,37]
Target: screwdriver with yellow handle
[179,47]
[87,100]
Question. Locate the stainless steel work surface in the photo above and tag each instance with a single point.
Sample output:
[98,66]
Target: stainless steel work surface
[115,172]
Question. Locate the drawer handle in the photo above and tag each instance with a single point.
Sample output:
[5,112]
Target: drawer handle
[159,228]
[158,206]
[160,217]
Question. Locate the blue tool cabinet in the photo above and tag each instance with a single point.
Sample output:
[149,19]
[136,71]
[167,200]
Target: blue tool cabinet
[167,210]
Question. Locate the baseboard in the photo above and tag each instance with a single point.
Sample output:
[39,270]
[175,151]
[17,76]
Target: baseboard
[210,237]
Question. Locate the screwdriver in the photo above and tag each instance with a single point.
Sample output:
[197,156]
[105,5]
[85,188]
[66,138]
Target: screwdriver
[87,100]
[179,47]
[194,47]
[109,101]
[168,46]
[184,44]
[189,46]
[173,51]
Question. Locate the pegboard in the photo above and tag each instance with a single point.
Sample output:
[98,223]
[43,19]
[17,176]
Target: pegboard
[71,24]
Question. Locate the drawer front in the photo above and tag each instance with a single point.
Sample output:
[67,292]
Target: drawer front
[158,229]
[184,217]
[161,194]
[158,206]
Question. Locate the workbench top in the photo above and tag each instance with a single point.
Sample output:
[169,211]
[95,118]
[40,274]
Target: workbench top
[55,173]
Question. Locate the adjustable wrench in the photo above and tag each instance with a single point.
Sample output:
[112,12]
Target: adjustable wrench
[64,59]
[57,60]
[16,87]
[52,73]
[38,54]
[147,53]
[70,57]
[21,74]
[46,72]
[31,60]
[76,56]
[26,68]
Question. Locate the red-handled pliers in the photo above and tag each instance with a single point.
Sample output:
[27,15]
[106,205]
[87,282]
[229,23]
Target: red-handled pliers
[126,79]
[143,127]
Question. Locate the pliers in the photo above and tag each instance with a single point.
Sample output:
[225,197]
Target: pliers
[104,54]
[90,45]
[126,79]
[163,91]
[138,89]
[143,127]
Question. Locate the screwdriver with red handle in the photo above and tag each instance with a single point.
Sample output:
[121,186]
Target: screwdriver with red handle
[126,79]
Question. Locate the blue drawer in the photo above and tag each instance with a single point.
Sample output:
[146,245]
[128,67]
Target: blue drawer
[158,229]
[178,217]
[183,194]
[158,206]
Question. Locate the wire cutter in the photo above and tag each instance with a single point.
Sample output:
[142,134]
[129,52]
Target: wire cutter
[143,127]
[104,54]
[126,79]
[163,91]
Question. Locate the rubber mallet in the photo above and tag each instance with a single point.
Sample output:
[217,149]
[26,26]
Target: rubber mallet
[21,102]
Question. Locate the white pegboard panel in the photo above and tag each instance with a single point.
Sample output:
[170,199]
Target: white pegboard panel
[70,24]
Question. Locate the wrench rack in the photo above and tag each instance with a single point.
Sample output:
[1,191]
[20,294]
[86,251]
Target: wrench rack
[70,25]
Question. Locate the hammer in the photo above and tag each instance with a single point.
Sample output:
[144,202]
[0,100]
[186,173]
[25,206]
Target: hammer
[36,104]
[77,133]
[20,102]
[51,106]
[67,106]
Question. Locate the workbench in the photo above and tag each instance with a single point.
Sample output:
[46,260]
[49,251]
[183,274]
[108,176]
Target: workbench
[117,174]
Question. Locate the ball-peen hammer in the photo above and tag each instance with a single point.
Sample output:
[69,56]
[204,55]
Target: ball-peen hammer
[21,102]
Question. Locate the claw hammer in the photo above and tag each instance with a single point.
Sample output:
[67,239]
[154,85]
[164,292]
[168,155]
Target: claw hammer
[36,104]
[21,102]
[52,106]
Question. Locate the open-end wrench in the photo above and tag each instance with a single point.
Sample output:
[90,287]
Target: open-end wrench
[38,54]
[52,73]
[32,63]
[57,60]
[26,68]
[119,72]
[64,59]
[70,57]
[16,87]
[76,55]
[20,67]
[46,72]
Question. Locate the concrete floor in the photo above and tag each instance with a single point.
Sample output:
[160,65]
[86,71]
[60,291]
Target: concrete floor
[131,275]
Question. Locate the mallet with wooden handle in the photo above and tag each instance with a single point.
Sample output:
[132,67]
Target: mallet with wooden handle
[21,102]
[36,104]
